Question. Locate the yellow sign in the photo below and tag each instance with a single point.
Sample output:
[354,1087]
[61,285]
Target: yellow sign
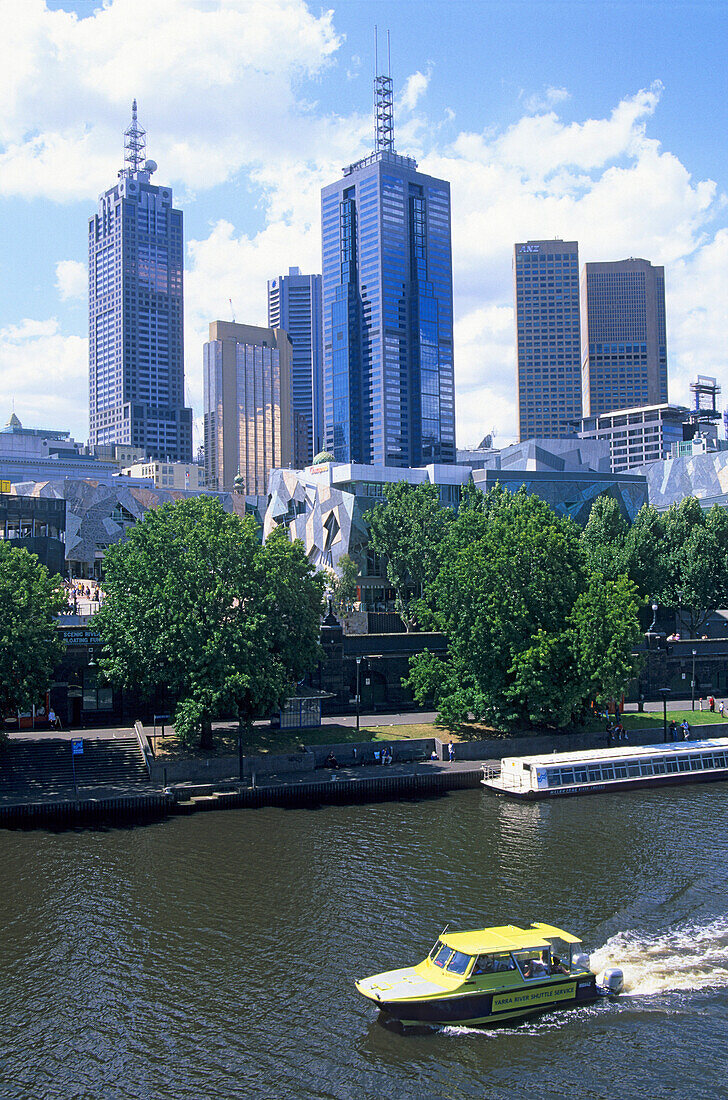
[5,486]
[525,997]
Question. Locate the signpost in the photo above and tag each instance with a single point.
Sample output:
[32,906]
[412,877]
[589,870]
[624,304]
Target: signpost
[162,720]
[76,750]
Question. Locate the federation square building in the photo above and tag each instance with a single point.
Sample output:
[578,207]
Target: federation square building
[387,308]
[136,351]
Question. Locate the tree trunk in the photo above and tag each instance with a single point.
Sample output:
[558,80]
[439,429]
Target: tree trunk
[206,733]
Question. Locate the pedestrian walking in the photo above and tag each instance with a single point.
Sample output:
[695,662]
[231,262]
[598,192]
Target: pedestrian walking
[721,708]
[451,752]
[711,704]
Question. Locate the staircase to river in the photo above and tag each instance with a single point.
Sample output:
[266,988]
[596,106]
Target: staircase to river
[43,767]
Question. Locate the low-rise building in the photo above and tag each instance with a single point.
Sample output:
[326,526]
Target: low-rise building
[638,435]
[168,475]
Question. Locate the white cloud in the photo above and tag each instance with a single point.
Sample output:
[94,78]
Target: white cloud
[545,100]
[415,87]
[216,83]
[71,279]
[45,373]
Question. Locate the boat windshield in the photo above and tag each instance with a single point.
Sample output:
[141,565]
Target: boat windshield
[493,964]
[533,963]
[459,962]
[440,954]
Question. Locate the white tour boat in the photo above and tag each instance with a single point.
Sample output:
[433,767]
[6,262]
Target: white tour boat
[617,768]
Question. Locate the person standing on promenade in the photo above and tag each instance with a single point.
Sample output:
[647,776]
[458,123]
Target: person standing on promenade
[451,752]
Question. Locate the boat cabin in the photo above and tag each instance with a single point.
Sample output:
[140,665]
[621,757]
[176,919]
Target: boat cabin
[601,769]
[521,953]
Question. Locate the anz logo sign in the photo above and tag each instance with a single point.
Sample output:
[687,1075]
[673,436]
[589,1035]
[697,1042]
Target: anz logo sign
[529,248]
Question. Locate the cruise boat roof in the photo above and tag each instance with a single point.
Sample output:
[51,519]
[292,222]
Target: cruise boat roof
[622,752]
[505,937]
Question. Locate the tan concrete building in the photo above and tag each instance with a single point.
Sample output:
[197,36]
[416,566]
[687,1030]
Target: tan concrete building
[168,475]
[247,406]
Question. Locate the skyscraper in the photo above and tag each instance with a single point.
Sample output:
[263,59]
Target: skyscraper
[548,346]
[294,304]
[387,308]
[624,348]
[136,351]
[247,383]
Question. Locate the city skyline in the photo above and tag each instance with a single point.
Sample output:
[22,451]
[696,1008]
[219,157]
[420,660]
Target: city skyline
[542,150]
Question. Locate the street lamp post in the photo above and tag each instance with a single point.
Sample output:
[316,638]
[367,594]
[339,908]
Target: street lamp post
[692,698]
[664,692]
[358,690]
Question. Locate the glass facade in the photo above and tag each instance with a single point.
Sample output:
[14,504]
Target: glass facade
[624,355]
[136,351]
[294,304]
[388,392]
[548,338]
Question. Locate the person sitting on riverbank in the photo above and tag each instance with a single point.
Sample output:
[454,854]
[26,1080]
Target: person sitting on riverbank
[331,761]
[387,756]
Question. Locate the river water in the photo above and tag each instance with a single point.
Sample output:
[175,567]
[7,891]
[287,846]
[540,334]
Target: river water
[212,956]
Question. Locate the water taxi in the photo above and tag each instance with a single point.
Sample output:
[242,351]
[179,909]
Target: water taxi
[618,768]
[489,976]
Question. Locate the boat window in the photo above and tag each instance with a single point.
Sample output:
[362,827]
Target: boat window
[595,774]
[695,764]
[708,760]
[580,774]
[660,767]
[459,962]
[672,764]
[442,956]
[534,964]
[493,964]
[607,771]
[647,767]
[620,771]
[567,775]
[633,768]
[719,758]
[553,777]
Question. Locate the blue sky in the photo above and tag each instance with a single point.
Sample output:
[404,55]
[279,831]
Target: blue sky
[601,122]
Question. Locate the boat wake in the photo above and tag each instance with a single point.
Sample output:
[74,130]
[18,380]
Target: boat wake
[686,957]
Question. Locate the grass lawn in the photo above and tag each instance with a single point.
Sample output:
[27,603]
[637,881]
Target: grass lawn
[272,740]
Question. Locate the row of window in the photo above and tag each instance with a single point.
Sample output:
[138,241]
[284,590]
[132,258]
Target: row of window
[632,769]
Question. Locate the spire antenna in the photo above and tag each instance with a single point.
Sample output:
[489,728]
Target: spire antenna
[383,104]
[135,143]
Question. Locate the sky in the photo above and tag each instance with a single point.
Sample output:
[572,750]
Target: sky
[601,122]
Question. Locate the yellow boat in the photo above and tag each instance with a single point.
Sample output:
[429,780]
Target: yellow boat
[490,976]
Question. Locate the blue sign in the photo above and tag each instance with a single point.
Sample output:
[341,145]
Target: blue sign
[76,748]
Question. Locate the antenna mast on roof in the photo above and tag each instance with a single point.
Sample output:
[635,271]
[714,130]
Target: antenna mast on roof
[383,102]
[135,142]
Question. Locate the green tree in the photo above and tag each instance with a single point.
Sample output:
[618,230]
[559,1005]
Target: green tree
[30,645]
[194,603]
[407,529]
[694,561]
[644,546]
[344,588]
[512,597]
[604,538]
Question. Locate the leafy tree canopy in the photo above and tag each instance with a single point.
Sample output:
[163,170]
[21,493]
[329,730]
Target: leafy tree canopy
[195,603]
[30,645]
[516,598]
[407,529]
[344,587]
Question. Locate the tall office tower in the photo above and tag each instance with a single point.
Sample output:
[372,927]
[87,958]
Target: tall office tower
[136,351]
[548,345]
[294,304]
[624,348]
[247,398]
[387,308]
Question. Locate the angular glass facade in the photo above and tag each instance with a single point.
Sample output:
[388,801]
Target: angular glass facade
[387,315]
[136,350]
[548,344]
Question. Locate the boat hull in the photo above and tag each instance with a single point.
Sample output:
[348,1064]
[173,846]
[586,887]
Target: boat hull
[489,1008]
[669,780]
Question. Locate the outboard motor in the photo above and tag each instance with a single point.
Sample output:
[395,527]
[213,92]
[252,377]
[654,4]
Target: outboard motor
[612,981]
[580,962]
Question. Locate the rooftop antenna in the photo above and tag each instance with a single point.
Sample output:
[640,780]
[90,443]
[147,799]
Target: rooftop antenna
[383,102]
[232,309]
[135,142]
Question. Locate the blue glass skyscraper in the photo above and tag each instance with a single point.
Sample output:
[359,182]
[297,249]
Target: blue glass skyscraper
[294,304]
[387,308]
[136,351]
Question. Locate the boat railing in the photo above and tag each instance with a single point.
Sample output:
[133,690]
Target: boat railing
[491,771]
